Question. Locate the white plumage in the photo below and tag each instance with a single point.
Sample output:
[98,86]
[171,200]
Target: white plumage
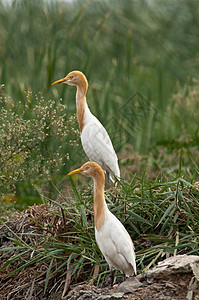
[97,144]
[94,137]
[116,245]
[111,236]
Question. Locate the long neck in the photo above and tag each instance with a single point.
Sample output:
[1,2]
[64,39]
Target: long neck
[80,104]
[99,202]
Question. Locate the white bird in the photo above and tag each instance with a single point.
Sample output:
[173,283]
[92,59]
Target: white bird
[94,137]
[111,236]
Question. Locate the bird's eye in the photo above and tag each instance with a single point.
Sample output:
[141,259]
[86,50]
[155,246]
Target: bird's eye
[86,168]
[72,77]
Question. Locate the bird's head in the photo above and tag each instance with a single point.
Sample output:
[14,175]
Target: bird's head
[89,169]
[76,78]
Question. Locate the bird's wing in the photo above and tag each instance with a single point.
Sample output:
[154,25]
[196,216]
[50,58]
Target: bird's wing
[98,146]
[117,246]
[122,241]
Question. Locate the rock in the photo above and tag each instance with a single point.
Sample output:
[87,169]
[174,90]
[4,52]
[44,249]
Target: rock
[104,297]
[117,296]
[172,265]
[130,285]
[195,269]
[180,264]
[193,289]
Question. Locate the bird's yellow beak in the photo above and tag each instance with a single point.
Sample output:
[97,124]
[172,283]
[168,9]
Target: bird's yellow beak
[77,171]
[60,81]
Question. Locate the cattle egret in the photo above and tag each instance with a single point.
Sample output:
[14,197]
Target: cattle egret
[111,236]
[94,137]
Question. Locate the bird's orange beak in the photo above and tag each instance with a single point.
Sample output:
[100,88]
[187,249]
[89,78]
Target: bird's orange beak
[77,171]
[60,81]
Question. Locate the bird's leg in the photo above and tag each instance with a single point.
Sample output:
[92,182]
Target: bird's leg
[124,276]
[108,177]
[112,276]
[108,181]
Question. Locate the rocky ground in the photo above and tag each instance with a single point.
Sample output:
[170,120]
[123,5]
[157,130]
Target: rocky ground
[175,278]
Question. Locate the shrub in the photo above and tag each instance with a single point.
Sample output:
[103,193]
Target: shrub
[35,137]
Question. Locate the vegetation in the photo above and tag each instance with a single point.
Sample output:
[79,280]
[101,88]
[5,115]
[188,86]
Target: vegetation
[35,139]
[141,60]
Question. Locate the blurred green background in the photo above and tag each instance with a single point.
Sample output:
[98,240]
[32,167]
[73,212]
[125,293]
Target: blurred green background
[141,59]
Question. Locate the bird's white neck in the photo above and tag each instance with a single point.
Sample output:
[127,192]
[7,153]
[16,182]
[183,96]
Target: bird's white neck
[99,203]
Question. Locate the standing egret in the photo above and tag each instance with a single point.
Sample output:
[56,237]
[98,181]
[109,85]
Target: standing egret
[94,137]
[111,236]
